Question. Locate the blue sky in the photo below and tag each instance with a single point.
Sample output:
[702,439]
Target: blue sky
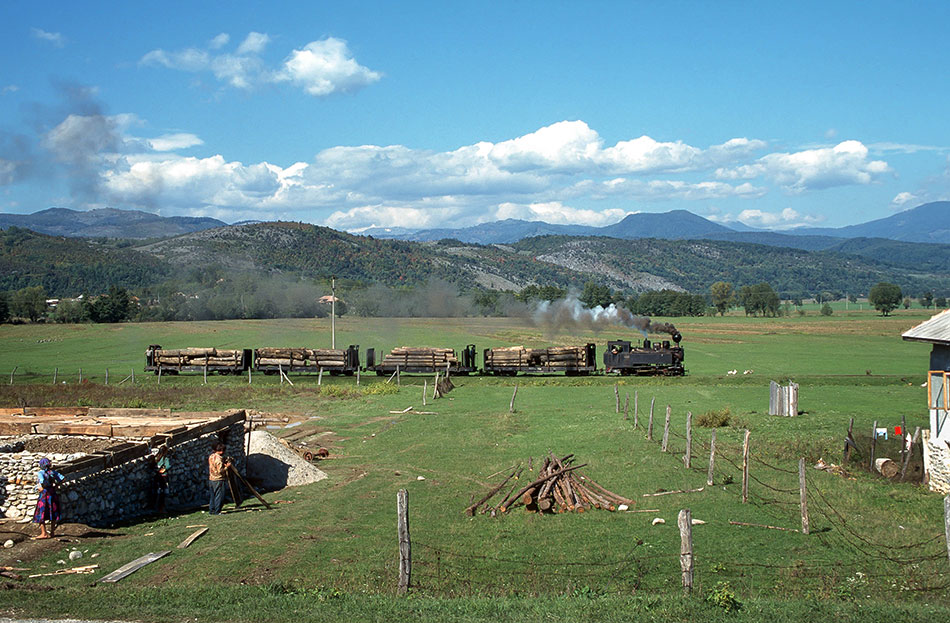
[424,114]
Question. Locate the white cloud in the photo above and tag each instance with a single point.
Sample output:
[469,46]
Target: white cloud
[171,142]
[320,68]
[57,39]
[656,190]
[902,199]
[390,216]
[844,164]
[786,219]
[254,43]
[557,213]
[325,67]
[219,41]
[10,88]
[904,148]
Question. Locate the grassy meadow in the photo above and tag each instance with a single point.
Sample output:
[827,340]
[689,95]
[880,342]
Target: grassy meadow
[328,551]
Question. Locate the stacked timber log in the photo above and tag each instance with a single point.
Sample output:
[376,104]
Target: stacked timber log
[198,357]
[554,357]
[558,488]
[301,357]
[419,356]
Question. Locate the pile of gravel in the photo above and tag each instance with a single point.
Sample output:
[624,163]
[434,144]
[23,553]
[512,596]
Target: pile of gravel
[276,466]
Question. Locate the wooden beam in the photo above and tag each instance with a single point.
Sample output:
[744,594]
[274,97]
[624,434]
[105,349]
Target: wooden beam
[131,567]
[197,534]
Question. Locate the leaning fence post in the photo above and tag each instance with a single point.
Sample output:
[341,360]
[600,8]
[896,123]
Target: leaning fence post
[357,377]
[511,407]
[848,442]
[636,408]
[666,430]
[80,376]
[803,494]
[55,372]
[249,375]
[133,376]
[712,458]
[12,373]
[685,523]
[626,406]
[617,396]
[910,451]
[650,425]
[688,459]
[402,531]
[873,445]
[745,468]
[320,377]
[425,390]
[107,376]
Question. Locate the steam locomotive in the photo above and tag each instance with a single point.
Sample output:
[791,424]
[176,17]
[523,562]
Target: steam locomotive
[622,357]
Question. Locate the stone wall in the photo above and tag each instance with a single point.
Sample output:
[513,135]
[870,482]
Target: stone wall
[125,490]
[939,465]
[18,471]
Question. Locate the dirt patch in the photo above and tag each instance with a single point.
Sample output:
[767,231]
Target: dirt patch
[65,445]
[25,549]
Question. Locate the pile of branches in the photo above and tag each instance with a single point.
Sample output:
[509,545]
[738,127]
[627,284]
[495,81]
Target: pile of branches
[558,488]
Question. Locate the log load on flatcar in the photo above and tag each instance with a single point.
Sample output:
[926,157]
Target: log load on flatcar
[571,360]
[646,359]
[423,359]
[335,361]
[217,360]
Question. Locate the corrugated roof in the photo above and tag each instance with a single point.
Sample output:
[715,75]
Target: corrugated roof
[935,330]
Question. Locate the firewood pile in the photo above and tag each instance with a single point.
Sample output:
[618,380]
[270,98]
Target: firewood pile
[554,357]
[301,357]
[198,357]
[558,488]
[419,356]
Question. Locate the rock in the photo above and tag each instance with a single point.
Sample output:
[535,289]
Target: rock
[622,507]
[60,562]
[8,543]
[697,522]
[73,496]
[658,520]
[420,477]
[96,555]
[75,554]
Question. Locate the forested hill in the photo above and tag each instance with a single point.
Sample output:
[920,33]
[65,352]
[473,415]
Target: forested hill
[695,264]
[70,266]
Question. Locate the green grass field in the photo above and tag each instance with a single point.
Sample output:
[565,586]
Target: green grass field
[875,550]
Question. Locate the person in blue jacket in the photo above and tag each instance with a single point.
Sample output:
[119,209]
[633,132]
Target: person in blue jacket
[47,505]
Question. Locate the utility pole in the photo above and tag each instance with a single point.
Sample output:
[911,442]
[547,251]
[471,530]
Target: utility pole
[332,312]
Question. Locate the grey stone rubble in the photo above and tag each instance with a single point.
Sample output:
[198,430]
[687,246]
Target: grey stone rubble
[939,466]
[122,491]
[275,465]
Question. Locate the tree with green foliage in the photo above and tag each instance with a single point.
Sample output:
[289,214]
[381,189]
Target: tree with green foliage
[926,299]
[114,306]
[722,296]
[69,311]
[532,293]
[885,297]
[906,302]
[29,303]
[940,302]
[826,310]
[4,307]
[852,298]
[595,294]
[759,299]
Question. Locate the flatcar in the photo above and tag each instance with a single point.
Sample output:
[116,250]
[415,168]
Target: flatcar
[569,360]
[214,360]
[422,359]
[645,359]
[335,361]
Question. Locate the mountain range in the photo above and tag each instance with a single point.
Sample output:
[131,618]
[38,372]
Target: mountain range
[107,223]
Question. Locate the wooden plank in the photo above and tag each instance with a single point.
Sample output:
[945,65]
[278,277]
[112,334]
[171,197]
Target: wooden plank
[59,428]
[139,431]
[803,495]
[58,411]
[197,533]
[15,428]
[131,567]
[118,412]
[685,523]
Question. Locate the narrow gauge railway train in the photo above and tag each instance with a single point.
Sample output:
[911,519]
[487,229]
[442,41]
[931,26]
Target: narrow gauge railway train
[621,357]
[647,359]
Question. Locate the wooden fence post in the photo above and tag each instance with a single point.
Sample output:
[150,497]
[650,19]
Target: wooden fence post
[666,430]
[398,376]
[910,451]
[650,426]
[206,370]
[626,406]
[712,458]
[435,387]
[803,494]
[80,376]
[320,377]
[357,377]
[903,438]
[159,374]
[511,407]
[946,522]
[688,459]
[405,549]
[12,373]
[617,396]
[249,375]
[107,376]
[55,372]
[133,376]
[745,468]
[636,408]
[425,390]
[848,442]
[873,445]
[685,523]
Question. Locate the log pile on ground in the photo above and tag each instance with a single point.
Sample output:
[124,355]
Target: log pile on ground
[420,356]
[554,357]
[301,357]
[558,488]
[198,357]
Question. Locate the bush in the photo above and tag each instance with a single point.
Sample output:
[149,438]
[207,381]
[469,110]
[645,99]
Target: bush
[724,597]
[714,419]
[826,310]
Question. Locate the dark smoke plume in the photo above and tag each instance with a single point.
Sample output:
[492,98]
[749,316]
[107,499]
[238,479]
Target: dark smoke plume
[570,314]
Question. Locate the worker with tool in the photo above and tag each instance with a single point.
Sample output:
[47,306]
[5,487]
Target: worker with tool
[217,473]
